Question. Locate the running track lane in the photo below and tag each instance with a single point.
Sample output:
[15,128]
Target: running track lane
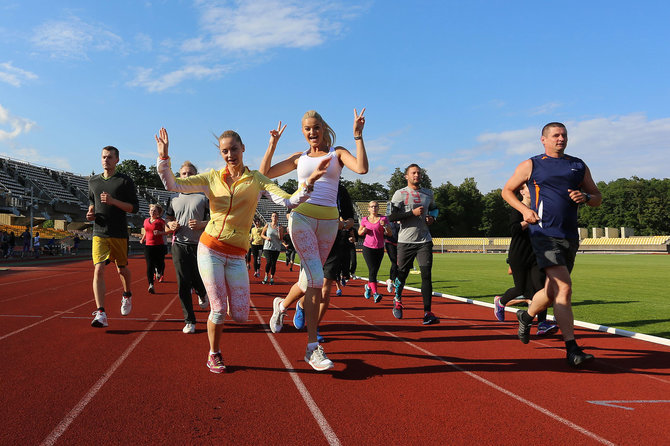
[467,379]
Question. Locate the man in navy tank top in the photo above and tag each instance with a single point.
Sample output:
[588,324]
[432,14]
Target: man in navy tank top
[558,184]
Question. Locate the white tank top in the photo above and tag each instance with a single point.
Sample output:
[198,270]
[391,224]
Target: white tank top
[325,188]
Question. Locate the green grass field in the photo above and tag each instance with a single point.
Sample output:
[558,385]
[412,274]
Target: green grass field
[623,291]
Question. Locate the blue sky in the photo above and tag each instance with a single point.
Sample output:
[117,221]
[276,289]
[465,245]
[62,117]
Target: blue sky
[461,88]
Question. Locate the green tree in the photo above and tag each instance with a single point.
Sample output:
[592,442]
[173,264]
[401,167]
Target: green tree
[398,181]
[360,191]
[290,185]
[495,215]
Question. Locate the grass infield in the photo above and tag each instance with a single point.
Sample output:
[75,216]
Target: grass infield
[623,291]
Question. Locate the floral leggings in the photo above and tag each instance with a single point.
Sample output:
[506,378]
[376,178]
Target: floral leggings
[227,283]
[312,239]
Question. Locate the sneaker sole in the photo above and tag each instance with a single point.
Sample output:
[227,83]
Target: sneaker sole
[274,328]
[319,368]
[217,371]
[431,322]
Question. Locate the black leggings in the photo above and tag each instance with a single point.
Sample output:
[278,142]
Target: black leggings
[423,252]
[527,282]
[256,253]
[392,251]
[290,256]
[373,257]
[271,261]
[155,258]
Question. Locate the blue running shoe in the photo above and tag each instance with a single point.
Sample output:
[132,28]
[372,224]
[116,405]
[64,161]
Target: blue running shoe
[498,309]
[299,317]
[338,292]
[546,328]
[378,297]
[397,309]
[429,318]
[368,291]
[320,339]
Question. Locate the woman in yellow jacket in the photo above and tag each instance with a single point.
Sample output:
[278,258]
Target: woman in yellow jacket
[233,194]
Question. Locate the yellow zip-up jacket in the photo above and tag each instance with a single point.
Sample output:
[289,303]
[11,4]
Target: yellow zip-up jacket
[232,209]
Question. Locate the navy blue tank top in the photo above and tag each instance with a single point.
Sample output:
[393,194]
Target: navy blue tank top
[548,185]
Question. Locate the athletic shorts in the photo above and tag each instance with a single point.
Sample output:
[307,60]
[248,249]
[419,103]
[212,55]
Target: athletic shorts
[552,251]
[109,249]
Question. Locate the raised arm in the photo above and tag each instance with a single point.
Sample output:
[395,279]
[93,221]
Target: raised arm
[358,163]
[194,183]
[282,167]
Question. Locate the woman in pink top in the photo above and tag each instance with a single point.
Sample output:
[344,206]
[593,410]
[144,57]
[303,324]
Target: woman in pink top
[373,227]
[154,248]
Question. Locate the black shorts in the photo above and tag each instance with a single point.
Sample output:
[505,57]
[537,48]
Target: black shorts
[552,251]
[332,268]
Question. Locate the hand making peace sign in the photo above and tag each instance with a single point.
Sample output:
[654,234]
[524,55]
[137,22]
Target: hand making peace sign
[359,122]
[276,134]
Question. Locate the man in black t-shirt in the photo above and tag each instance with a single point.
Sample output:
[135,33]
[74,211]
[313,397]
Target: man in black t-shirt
[111,196]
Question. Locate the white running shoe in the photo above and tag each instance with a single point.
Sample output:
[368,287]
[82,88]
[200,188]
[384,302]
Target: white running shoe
[100,319]
[203,301]
[389,285]
[318,359]
[189,328]
[277,318]
[126,305]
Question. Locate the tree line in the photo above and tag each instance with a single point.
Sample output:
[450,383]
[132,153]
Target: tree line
[464,211]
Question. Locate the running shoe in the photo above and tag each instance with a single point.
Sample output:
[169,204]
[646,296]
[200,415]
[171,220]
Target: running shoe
[368,292]
[545,328]
[189,328]
[256,274]
[524,329]
[429,319]
[203,301]
[126,305]
[318,360]
[338,292]
[319,338]
[277,318]
[215,363]
[272,281]
[151,289]
[378,298]
[576,357]
[397,309]
[498,309]
[389,285]
[161,278]
[100,319]
[343,281]
[299,317]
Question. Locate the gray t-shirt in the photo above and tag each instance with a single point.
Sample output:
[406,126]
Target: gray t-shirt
[274,244]
[413,229]
[184,207]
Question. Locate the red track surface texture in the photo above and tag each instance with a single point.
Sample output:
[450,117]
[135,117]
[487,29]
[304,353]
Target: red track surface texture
[468,380]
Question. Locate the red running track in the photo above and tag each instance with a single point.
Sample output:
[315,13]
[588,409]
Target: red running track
[468,380]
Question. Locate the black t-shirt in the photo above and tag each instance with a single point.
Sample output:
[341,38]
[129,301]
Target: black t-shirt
[111,221]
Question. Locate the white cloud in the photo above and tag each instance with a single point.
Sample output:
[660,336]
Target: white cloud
[73,38]
[15,124]
[233,31]
[146,79]
[14,76]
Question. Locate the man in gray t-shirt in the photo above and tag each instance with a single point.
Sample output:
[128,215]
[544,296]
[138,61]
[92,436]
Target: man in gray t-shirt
[414,208]
[187,216]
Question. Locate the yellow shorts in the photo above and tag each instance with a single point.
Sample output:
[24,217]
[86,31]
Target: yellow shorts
[108,249]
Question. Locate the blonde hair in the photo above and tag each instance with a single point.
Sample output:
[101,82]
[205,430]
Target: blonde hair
[328,133]
[190,165]
[230,134]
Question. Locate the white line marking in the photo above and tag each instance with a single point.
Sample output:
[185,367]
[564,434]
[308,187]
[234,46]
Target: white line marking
[81,405]
[485,381]
[328,431]
[616,403]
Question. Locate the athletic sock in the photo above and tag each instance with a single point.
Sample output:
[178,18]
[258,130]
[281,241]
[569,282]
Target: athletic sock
[373,287]
[526,318]
[101,309]
[214,353]
[311,346]
[282,308]
[127,294]
[571,345]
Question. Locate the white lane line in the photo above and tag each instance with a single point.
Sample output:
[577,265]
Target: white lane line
[58,313]
[485,381]
[40,290]
[327,430]
[81,405]
[619,403]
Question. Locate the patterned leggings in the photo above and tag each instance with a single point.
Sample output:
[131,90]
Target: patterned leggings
[312,239]
[227,283]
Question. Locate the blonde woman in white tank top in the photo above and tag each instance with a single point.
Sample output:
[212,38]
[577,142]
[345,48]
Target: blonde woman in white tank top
[313,225]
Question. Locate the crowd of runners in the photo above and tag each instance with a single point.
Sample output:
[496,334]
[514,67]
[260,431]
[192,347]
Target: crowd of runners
[216,239]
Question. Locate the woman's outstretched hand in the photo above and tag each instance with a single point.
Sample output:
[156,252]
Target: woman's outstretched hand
[276,134]
[359,122]
[320,169]
[162,143]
